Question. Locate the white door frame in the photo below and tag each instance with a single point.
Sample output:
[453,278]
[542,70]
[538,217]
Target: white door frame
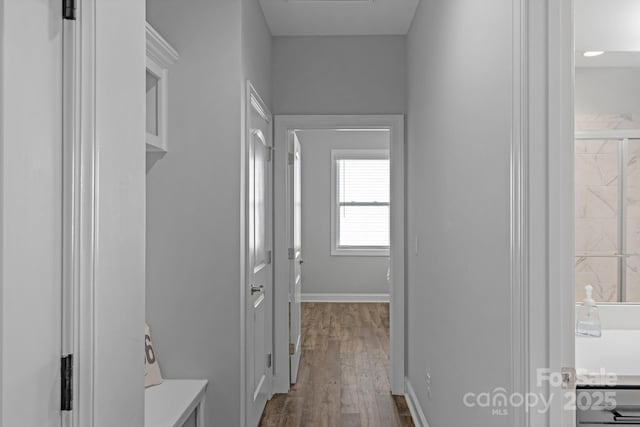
[561,190]
[283,126]
[83,203]
[78,185]
[250,96]
[294,174]
[542,223]
[79,193]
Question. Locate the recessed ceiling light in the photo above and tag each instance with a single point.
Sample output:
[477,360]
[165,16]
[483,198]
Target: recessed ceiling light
[592,53]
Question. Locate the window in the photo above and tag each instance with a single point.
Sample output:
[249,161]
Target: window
[360,200]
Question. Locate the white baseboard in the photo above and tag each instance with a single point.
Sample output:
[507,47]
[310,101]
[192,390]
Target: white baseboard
[345,297]
[414,406]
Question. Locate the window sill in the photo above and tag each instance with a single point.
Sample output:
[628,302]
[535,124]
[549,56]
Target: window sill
[360,252]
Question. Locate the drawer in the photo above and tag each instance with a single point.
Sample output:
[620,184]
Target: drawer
[607,425]
[608,406]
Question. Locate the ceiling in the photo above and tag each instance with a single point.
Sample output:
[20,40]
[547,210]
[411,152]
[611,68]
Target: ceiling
[610,26]
[609,60]
[607,25]
[338,17]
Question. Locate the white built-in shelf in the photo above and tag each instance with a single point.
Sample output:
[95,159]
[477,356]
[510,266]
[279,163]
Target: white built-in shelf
[160,56]
[171,403]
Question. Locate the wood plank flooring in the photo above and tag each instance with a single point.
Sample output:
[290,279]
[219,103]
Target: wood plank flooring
[344,371]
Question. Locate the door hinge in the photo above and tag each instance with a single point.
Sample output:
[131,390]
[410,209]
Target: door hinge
[66,384]
[269,361]
[568,378]
[291,254]
[269,153]
[292,348]
[268,257]
[291,158]
[69,10]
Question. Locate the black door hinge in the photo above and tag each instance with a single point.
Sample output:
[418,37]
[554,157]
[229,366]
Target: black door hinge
[66,373]
[69,9]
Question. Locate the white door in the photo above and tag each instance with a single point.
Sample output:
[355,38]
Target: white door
[31,213]
[259,293]
[296,261]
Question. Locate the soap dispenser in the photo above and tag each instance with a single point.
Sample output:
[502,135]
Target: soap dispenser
[588,321]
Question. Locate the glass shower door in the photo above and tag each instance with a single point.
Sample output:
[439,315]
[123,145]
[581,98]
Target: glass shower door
[630,227]
[597,242]
[607,218]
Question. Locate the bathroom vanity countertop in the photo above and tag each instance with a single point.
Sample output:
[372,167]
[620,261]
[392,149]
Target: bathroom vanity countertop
[598,381]
[171,403]
[616,352]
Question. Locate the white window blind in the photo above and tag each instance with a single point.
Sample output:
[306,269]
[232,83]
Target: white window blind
[362,199]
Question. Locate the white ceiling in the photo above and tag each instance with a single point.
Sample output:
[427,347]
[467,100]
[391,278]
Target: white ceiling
[607,25]
[338,17]
[609,59]
[610,26]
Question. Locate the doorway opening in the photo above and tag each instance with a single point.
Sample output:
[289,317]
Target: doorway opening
[320,164]
[606,219]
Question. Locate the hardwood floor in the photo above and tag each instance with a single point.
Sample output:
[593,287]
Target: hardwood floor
[344,371]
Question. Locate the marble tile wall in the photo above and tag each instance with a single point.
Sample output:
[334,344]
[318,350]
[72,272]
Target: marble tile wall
[597,180]
[607,121]
[633,220]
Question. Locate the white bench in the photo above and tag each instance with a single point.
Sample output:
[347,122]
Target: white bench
[173,402]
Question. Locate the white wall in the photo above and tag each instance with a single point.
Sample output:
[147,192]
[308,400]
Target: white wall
[607,90]
[617,316]
[339,75]
[193,264]
[120,209]
[459,124]
[324,273]
[256,48]
[30,213]
[609,25]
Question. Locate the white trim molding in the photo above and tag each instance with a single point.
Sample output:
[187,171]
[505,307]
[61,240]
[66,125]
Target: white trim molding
[160,56]
[519,216]
[345,298]
[542,297]
[79,211]
[417,414]
[559,167]
[284,126]
[158,49]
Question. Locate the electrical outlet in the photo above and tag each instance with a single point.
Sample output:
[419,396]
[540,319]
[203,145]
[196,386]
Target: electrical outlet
[416,245]
[428,385]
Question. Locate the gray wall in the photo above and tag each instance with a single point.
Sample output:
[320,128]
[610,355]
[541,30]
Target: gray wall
[324,273]
[256,49]
[607,90]
[193,231]
[459,110]
[339,75]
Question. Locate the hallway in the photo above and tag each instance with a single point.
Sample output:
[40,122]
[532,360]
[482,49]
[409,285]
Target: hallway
[344,371]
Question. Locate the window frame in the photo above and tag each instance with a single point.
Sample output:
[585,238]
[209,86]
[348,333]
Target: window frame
[355,154]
